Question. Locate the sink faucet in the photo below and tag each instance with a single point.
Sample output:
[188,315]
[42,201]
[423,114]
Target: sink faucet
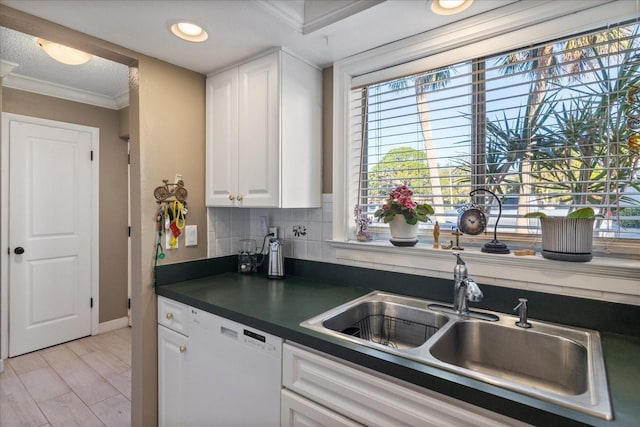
[464,288]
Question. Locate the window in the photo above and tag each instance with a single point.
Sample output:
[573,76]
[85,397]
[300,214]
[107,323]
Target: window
[551,127]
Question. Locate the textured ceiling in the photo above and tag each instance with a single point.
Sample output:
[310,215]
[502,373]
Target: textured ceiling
[99,75]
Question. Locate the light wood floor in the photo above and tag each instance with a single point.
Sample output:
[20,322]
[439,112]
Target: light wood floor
[85,383]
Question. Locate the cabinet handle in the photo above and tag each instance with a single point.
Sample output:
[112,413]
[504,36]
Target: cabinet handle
[169,316]
[183,349]
[232,197]
[239,198]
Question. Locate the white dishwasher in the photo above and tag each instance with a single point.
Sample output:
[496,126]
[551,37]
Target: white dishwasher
[234,374]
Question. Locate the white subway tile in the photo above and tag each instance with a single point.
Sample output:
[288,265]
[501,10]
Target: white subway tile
[224,247]
[314,231]
[314,251]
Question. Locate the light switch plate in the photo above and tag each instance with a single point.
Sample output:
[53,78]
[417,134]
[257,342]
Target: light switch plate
[191,235]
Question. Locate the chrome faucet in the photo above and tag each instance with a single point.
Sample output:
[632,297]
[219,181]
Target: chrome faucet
[464,288]
[522,311]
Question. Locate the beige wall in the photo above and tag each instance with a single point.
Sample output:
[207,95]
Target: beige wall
[173,122]
[113,187]
[124,123]
[167,138]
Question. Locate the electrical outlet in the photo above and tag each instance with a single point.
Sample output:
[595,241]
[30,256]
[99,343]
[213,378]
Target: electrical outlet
[274,230]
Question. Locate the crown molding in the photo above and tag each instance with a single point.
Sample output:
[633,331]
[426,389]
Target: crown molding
[6,67]
[306,18]
[28,84]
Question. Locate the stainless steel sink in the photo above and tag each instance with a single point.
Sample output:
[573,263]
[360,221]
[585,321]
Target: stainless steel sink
[558,364]
[538,360]
[387,323]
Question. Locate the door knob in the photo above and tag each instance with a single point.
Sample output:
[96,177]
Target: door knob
[19,250]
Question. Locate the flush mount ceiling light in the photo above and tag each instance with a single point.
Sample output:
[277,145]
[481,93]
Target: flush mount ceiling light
[450,7]
[189,32]
[64,54]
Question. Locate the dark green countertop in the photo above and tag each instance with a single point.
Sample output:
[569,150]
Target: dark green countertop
[278,307]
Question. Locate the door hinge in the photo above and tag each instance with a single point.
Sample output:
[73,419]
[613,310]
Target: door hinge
[129,231]
[128,159]
[91,302]
[92,155]
[129,303]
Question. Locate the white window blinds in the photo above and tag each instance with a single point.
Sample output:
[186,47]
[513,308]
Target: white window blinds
[552,127]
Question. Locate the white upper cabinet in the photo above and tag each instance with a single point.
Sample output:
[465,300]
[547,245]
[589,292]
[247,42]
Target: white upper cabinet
[264,146]
[222,138]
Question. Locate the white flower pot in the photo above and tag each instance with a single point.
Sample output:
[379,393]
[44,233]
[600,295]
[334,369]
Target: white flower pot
[403,234]
[567,239]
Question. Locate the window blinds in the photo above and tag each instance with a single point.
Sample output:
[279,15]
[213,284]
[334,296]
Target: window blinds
[548,128]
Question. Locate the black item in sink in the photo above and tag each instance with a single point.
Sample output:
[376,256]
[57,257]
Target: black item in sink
[391,331]
[352,330]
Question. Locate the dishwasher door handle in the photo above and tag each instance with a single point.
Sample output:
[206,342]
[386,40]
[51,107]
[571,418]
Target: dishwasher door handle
[229,332]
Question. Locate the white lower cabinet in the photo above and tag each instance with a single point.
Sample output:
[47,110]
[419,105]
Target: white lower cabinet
[172,384]
[332,392]
[300,412]
[173,344]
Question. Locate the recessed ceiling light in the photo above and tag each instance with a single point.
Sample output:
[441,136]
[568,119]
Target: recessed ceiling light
[189,32]
[449,7]
[64,54]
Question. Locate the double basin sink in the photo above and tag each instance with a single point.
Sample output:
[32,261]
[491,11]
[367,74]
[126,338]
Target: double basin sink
[558,364]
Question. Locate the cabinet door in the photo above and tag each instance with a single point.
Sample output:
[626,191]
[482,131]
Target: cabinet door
[300,412]
[373,399]
[172,385]
[259,133]
[173,315]
[222,139]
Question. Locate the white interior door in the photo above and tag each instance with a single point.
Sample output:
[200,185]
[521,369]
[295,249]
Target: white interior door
[50,233]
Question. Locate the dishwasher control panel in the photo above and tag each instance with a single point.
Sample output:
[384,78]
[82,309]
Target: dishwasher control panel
[258,340]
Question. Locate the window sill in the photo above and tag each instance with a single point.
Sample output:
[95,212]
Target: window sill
[603,278]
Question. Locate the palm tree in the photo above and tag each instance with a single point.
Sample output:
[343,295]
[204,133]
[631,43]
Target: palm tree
[548,64]
[583,156]
[422,84]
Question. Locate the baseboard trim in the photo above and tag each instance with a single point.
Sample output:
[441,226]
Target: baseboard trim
[112,325]
[1,365]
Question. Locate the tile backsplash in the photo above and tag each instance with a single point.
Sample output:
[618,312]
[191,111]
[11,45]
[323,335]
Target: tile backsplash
[305,231]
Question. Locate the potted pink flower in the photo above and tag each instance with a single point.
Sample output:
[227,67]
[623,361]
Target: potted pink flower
[402,214]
